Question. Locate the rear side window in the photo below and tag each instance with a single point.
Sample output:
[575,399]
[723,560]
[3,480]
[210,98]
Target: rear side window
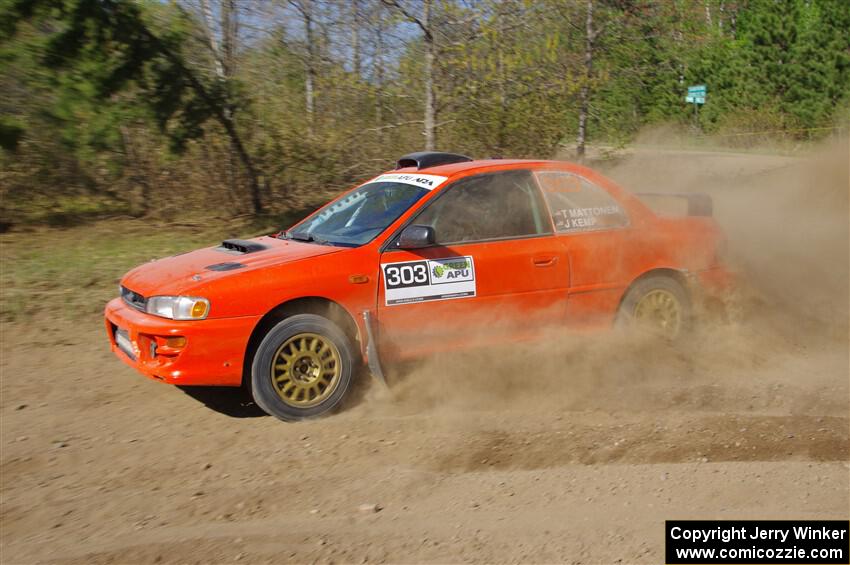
[578,205]
[490,206]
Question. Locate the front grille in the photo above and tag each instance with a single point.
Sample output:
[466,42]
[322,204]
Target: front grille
[134,299]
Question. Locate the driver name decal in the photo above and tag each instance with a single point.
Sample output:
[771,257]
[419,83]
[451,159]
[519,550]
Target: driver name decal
[428,182]
[428,279]
[580,218]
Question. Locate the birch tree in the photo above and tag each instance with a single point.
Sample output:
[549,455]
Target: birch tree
[424,22]
[584,95]
[310,59]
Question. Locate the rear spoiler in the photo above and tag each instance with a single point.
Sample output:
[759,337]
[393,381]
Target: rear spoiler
[698,204]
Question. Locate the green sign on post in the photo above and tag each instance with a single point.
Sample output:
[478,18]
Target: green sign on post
[696,94]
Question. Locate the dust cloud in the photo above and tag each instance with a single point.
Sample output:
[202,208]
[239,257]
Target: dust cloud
[784,352]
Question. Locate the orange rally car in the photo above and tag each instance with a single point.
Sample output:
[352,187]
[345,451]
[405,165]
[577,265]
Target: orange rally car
[444,252]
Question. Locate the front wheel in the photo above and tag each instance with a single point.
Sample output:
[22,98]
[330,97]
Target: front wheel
[658,305]
[302,368]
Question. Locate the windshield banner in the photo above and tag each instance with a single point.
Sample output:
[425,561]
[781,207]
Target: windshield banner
[428,182]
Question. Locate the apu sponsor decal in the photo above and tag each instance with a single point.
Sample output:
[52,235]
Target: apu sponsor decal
[429,279]
[456,269]
[428,182]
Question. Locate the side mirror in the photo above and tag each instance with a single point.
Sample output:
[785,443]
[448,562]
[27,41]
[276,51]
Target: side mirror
[415,237]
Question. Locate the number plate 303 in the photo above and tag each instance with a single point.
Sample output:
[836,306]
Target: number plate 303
[432,279]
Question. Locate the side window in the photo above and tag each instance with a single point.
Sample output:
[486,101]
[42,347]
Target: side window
[489,206]
[578,205]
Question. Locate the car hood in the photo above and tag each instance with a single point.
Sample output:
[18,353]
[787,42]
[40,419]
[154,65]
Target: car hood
[180,273]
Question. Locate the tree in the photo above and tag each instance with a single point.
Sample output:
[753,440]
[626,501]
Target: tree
[310,60]
[424,23]
[200,102]
[109,44]
[590,36]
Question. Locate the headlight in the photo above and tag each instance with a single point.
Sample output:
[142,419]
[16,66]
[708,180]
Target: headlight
[178,307]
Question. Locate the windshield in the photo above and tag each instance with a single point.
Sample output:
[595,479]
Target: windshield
[360,216]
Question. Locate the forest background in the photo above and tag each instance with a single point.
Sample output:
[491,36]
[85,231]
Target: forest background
[203,110]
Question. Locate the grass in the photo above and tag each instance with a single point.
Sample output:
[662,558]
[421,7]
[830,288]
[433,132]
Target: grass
[72,273]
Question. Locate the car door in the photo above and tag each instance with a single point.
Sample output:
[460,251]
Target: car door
[496,268]
[595,233]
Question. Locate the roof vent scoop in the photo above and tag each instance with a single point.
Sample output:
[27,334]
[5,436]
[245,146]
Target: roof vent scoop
[240,246]
[425,159]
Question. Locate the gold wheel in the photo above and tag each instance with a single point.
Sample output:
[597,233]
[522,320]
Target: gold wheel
[306,370]
[661,312]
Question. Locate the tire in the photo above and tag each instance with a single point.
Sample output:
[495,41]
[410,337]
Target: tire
[302,368]
[658,305]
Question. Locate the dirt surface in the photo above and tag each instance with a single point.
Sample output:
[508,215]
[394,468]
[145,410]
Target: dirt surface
[573,450]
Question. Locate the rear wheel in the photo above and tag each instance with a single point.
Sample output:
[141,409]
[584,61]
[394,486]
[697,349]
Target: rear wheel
[658,305]
[302,368]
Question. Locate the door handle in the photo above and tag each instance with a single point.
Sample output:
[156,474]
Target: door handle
[545,261]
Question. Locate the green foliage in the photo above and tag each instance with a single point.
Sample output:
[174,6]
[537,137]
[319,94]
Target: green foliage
[116,107]
[108,67]
[788,64]
[82,73]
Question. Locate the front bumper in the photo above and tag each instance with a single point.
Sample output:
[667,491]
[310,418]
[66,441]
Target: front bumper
[212,355]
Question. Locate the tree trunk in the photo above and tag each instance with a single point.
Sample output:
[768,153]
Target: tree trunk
[584,94]
[355,38]
[379,78]
[430,126]
[722,13]
[501,137]
[211,39]
[226,122]
[138,176]
[429,120]
[733,22]
[229,33]
[225,68]
[309,66]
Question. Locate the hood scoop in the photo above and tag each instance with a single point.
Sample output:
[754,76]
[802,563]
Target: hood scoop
[224,266]
[240,246]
